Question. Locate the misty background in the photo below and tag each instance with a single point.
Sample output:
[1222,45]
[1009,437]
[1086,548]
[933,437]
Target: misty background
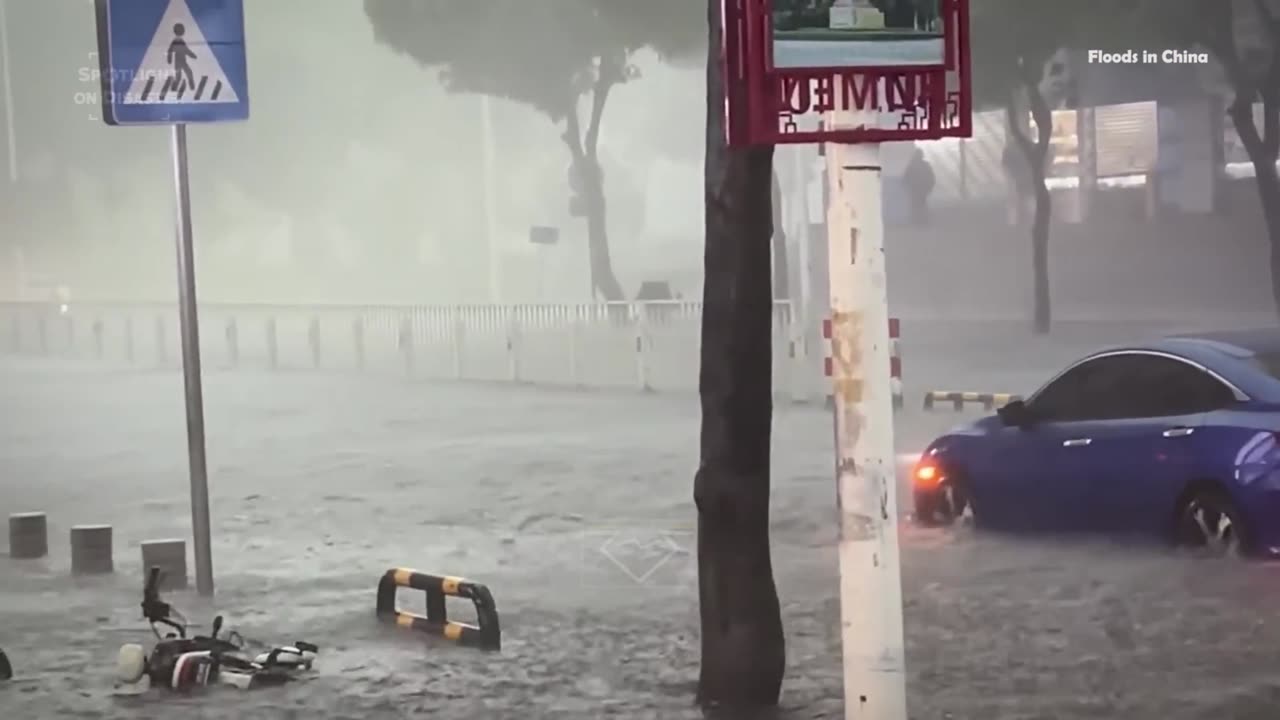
[358,178]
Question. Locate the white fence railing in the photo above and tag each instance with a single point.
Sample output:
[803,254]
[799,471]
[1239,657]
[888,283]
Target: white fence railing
[651,346]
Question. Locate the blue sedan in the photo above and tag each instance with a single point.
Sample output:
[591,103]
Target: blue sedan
[1175,438]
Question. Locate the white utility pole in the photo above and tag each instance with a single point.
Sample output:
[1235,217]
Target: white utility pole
[870,572]
[489,160]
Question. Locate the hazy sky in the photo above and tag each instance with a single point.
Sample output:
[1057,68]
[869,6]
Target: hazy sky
[351,150]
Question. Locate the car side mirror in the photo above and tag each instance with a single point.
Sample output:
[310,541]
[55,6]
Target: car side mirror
[1015,413]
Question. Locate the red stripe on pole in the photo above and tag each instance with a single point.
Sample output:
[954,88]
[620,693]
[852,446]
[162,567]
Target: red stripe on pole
[895,367]
[894,328]
[826,329]
[826,366]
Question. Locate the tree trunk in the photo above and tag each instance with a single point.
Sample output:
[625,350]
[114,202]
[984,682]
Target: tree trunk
[1036,154]
[603,278]
[1269,195]
[781,268]
[1040,254]
[1263,148]
[586,166]
[743,650]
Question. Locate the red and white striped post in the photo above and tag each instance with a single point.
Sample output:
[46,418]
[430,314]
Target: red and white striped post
[895,358]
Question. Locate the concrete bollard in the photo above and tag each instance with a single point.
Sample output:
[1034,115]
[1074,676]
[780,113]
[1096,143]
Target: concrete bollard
[91,552]
[28,536]
[171,557]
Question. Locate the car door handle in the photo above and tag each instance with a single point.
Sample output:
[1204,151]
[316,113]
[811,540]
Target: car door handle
[1077,442]
[1178,432]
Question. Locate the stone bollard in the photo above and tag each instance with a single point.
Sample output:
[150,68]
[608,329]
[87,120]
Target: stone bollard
[91,552]
[171,557]
[28,536]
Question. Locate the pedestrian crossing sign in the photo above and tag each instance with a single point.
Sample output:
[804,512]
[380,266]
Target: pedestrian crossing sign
[166,62]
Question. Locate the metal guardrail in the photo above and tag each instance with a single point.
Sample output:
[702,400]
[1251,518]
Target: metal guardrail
[650,346]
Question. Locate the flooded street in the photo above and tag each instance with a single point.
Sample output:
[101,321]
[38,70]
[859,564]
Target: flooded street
[576,511]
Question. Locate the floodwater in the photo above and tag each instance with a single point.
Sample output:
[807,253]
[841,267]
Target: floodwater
[575,508]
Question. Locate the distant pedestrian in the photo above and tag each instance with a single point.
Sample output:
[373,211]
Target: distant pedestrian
[919,179]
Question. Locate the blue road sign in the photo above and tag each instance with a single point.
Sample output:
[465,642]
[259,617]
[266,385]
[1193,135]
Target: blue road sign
[166,62]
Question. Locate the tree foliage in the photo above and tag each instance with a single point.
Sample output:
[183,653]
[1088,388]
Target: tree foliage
[549,56]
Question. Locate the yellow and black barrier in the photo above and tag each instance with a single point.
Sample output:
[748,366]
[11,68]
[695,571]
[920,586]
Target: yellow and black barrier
[958,400]
[486,634]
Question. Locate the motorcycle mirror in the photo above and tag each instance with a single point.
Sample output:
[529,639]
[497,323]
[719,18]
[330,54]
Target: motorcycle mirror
[152,589]
[153,608]
[217,627]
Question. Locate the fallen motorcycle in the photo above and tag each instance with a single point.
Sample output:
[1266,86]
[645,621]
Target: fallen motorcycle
[182,663]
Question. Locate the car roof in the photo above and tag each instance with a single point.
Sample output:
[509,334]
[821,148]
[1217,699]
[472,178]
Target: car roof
[1230,354]
[1252,342]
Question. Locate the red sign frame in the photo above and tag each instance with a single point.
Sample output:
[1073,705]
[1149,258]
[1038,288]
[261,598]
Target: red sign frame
[762,101]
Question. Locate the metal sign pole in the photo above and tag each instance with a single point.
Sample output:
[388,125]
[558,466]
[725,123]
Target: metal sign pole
[870,572]
[191,373]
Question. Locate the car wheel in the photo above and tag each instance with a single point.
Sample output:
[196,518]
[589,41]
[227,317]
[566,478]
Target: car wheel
[944,504]
[1209,521]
